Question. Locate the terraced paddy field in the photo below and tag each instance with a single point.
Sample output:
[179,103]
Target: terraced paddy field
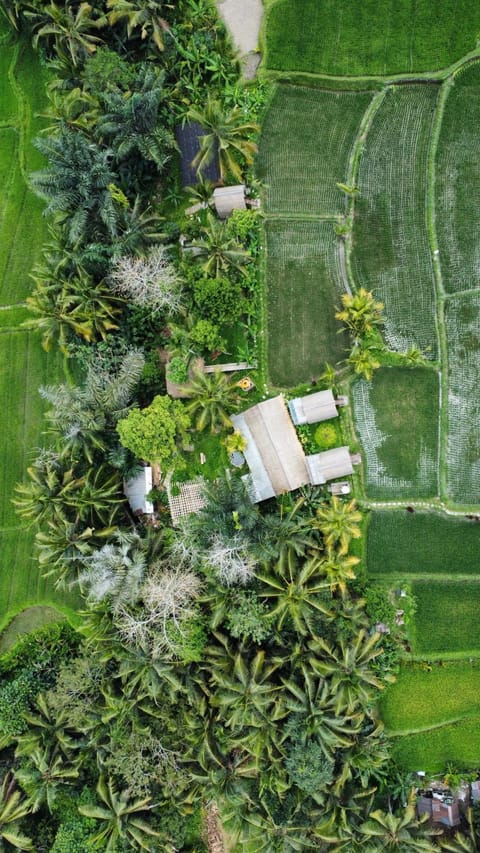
[23,364]
[408,229]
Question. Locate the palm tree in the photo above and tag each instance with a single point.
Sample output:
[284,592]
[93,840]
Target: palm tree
[458,844]
[143,15]
[295,591]
[211,397]
[338,521]
[48,730]
[221,773]
[386,831]
[62,546]
[364,361]
[338,570]
[227,136]
[44,775]
[217,251]
[12,809]
[360,313]
[70,27]
[347,667]
[124,819]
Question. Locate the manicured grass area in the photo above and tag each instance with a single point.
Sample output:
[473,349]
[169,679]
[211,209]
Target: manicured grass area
[391,253]
[306,140]
[369,36]
[304,282]
[421,698]
[396,417]
[28,620]
[457,183]
[401,543]
[447,617]
[462,316]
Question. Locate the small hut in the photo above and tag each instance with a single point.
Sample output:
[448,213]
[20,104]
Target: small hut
[313,408]
[329,465]
[136,490]
[228,199]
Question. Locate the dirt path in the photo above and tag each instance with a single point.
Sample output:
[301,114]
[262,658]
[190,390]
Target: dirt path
[242,19]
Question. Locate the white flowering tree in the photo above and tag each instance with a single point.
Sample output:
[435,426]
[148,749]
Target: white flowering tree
[148,282]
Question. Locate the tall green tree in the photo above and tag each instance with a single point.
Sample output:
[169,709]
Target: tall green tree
[212,396]
[124,821]
[227,138]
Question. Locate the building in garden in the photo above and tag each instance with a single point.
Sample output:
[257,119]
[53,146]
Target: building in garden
[313,408]
[275,456]
[136,490]
[441,805]
[228,199]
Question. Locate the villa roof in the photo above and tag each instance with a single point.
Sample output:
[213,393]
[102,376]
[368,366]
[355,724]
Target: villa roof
[136,490]
[274,454]
[329,465]
[313,408]
[188,136]
[228,199]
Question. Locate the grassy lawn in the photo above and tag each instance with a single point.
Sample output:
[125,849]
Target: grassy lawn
[306,141]
[400,543]
[447,617]
[457,183]
[396,417]
[462,316]
[369,36]
[391,253]
[303,284]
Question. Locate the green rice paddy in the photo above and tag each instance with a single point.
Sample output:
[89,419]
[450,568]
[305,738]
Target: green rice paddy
[369,37]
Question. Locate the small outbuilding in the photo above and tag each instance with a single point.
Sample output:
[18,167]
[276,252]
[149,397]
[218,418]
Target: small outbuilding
[313,408]
[329,465]
[228,199]
[136,490]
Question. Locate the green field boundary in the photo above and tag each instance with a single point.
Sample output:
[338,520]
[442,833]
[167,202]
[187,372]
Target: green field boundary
[441,578]
[425,729]
[24,113]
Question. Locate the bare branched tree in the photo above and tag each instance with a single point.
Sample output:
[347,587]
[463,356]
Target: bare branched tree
[230,560]
[150,282]
[114,573]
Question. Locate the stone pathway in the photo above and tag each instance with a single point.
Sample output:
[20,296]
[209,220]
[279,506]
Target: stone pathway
[242,19]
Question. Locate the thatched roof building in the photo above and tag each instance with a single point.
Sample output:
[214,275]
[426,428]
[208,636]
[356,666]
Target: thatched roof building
[329,465]
[228,199]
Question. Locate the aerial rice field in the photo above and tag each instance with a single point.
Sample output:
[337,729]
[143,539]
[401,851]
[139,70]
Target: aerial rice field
[391,253]
[307,138]
[24,366]
[446,620]
[369,37]
[400,543]
[304,280]
[396,418]
[457,183]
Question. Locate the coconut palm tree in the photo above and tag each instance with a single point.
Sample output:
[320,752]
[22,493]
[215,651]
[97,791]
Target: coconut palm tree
[45,773]
[227,138]
[364,361]
[124,820]
[211,397]
[360,313]
[386,831]
[347,666]
[71,28]
[12,809]
[48,730]
[217,251]
[338,522]
[142,15]
[62,546]
[338,570]
[294,590]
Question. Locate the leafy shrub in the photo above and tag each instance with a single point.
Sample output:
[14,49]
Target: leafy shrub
[378,606]
[308,768]
[243,225]
[206,335]
[325,436]
[218,299]
[177,370]
[247,618]
[306,434]
[15,698]
[189,640]
[43,650]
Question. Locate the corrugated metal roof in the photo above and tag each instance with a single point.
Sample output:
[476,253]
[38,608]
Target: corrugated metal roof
[137,488]
[313,408]
[329,465]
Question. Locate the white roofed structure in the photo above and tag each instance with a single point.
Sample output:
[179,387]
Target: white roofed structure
[273,453]
[228,199]
[136,490]
[329,465]
[313,408]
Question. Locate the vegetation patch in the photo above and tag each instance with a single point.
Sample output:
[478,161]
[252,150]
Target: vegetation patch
[391,253]
[401,543]
[304,280]
[306,141]
[447,617]
[462,316]
[369,37]
[456,744]
[30,619]
[396,416]
[457,183]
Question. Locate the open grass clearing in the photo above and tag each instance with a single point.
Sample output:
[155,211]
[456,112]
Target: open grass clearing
[447,617]
[401,543]
[462,320]
[422,698]
[391,254]
[368,37]
[306,141]
[304,282]
[457,183]
[30,619]
[396,418]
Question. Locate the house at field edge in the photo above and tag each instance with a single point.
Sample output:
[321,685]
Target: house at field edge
[441,805]
[275,456]
[313,408]
[136,490]
[228,199]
